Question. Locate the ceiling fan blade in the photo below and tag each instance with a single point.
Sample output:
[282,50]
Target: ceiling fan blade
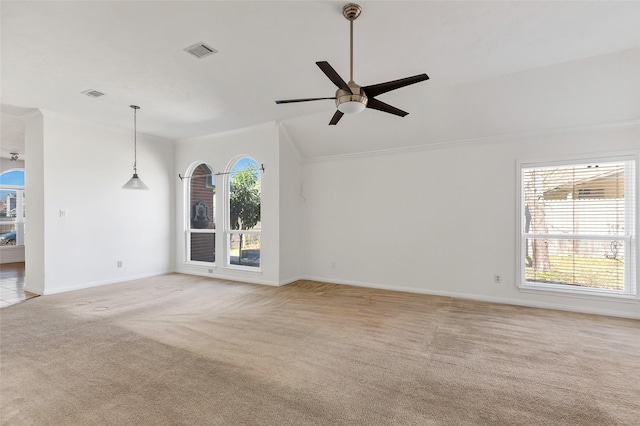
[377,89]
[381,106]
[333,75]
[336,117]
[289,101]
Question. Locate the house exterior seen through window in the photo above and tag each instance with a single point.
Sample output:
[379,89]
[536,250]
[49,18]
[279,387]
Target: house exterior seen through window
[201,230]
[12,208]
[577,226]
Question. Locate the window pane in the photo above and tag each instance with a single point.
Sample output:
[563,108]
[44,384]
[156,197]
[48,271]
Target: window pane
[12,207]
[202,198]
[203,247]
[244,249]
[585,263]
[244,195]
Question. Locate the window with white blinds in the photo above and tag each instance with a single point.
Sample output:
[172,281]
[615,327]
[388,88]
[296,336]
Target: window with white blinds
[577,226]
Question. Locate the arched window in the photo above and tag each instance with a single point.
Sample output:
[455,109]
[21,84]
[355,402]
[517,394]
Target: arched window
[243,227]
[12,208]
[201,215]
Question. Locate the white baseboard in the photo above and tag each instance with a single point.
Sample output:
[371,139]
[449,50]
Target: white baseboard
[291,280]
[101,283]
[457,295]
[491,299]
[248,279]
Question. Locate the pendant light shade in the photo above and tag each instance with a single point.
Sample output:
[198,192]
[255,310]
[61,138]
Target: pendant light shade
[135,182]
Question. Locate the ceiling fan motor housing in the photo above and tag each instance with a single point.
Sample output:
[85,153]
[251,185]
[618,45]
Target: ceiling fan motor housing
[350,103]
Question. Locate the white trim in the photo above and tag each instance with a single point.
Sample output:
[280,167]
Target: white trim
[201,231]
[544,288]
[100,283]
[491,299]
[570,160]
[245,231]
[210,265]
[579,292]
[225,133]
[245,278]
[291,280]
[32,113]
[579,237]
[244,268]
[475,141]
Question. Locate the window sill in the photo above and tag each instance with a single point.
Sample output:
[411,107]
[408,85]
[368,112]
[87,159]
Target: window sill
[579,293]
[209,265]
[244,268]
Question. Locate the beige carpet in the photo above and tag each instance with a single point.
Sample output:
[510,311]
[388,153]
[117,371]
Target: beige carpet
[181,350]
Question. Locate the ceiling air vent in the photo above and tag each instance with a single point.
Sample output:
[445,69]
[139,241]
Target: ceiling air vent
[200,50]
[93,93]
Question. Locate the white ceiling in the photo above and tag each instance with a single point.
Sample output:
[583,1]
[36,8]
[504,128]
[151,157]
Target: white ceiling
[133,52]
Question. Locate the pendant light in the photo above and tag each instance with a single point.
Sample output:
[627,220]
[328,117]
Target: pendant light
[135,182]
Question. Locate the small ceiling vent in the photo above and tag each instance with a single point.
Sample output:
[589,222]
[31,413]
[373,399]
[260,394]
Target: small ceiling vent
[93,93]
[200,50]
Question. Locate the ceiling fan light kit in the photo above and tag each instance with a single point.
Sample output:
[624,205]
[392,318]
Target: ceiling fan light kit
[351,102]
[351,98]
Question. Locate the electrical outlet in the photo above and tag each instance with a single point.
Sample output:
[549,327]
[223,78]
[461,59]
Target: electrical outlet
[119,263]
[333,265]
[497,278]
[210,271]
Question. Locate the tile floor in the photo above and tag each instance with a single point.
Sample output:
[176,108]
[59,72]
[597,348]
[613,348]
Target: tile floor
[12,284]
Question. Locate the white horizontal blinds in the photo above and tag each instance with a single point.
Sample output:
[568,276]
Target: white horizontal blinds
[575,224]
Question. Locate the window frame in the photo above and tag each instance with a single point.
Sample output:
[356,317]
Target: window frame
[629,239]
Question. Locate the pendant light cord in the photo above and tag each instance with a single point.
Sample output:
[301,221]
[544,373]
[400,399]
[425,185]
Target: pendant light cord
[135,139]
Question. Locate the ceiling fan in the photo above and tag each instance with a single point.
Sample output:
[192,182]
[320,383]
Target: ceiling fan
[351,98]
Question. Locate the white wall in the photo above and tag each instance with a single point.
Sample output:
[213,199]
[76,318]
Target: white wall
[35,188]
[79,167]
[260,143]
[439,220]
[291,204]
[11,254]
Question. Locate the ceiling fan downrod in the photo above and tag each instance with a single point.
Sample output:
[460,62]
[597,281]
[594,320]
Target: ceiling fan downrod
[351,11]
[352,100]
